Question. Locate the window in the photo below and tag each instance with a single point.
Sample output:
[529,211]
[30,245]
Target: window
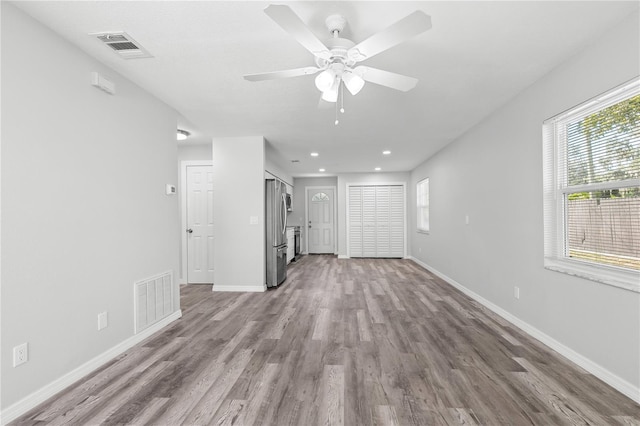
[592,189]
[423,205]
[320,196]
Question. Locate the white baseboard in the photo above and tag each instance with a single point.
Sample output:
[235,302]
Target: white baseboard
[27,403]
[597,370]
[343,256]
[240,288]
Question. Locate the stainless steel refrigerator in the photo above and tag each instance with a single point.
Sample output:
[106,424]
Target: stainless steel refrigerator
[276,230]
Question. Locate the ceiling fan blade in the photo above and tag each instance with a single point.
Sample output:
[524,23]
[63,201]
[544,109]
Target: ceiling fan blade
[291,23]
[386,78]
[282,74]
[409,26]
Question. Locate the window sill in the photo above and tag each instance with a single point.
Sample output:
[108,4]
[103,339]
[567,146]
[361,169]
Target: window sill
[625,279]
[422,231]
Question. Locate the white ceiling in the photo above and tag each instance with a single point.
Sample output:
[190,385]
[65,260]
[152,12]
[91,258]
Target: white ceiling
[477,56]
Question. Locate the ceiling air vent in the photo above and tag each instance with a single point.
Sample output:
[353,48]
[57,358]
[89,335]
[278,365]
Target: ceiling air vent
[123,44]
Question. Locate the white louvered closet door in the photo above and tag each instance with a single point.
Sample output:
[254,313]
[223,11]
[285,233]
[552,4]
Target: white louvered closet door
[369,221]
[383,210]
[355,221]
[396,221]
[376,221]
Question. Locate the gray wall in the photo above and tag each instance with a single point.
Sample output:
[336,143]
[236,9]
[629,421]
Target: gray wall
[84,210]
[272,161]
[194,152]
[494,174]
[238,194]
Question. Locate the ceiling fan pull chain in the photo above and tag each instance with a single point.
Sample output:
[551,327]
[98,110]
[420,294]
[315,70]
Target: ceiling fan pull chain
[341,96]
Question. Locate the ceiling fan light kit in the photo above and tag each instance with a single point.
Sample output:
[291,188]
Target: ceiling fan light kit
[331,94]
[182,135]
[325,80]
[354,82]
[336,59]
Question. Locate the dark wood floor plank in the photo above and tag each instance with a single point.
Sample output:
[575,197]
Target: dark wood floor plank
[353,342]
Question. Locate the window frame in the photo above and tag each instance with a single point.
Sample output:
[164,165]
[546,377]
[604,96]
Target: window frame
[556,190]
[420,208]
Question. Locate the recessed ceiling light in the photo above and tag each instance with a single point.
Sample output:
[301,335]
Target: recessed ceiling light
[377,169]
[182,135]
[321,170]
[387,152]
[314,154]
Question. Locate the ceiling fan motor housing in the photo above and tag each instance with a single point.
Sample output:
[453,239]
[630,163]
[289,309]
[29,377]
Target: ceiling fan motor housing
[339,48]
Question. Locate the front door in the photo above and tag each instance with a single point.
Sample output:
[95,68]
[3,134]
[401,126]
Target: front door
[199,224]
[320,228]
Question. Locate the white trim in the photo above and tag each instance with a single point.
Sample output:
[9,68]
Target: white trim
[335,216]
[626,279]
[27,403]
[405,207]
[618,383]
[184,266]
[343,256]
[240,288]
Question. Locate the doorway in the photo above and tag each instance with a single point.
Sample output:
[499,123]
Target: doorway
[197,220]
[320,220]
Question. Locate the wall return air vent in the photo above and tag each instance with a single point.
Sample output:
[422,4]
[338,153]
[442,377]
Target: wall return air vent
[123,44]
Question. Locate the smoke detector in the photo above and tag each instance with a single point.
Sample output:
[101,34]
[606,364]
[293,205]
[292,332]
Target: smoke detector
[123,44]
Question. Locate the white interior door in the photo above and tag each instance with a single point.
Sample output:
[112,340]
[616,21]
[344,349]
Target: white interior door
[320,228]
[199,224]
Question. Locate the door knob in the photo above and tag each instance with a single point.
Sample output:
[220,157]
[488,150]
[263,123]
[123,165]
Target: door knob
[190,231]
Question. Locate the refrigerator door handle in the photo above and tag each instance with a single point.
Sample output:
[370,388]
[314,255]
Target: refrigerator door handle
[284,213]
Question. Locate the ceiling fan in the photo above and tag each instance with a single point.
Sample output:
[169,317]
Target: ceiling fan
[336,61]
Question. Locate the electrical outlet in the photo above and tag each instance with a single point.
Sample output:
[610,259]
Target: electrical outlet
[466,219]
[102,320]
[20,354]
[516,292]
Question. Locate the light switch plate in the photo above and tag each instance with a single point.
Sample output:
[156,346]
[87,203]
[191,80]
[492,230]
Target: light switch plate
[103,320]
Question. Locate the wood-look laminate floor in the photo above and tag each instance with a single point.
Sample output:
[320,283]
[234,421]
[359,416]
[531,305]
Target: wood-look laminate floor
[341,342]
